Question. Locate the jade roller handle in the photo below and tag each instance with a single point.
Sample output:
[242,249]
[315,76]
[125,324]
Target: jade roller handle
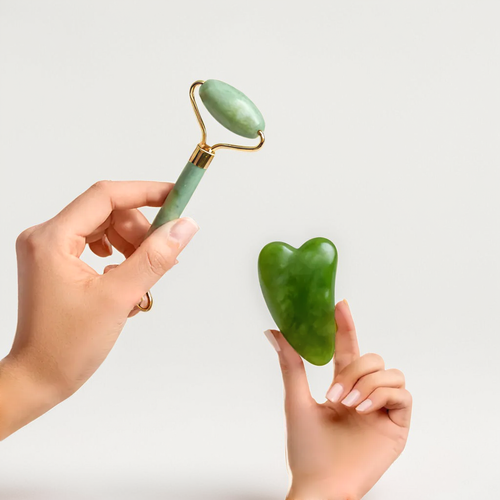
[179,197]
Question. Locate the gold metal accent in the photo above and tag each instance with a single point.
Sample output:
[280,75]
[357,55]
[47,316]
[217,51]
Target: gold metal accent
[243,148]
[204,154]
[150,303]
[201,157]
[198,83]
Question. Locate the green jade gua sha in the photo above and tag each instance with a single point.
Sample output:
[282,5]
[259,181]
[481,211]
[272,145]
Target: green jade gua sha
[299,289]
[232,109]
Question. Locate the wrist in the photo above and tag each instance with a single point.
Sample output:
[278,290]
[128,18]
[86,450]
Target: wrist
[23,395]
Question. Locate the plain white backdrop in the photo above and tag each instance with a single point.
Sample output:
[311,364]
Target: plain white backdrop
[382,134]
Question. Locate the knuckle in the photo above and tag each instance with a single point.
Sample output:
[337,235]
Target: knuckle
[23,238]
[290,365]
[375,359]
[103,186]
[29,242]
[377,393]
[158,263]
[285,367]
[399,375]
[367,384]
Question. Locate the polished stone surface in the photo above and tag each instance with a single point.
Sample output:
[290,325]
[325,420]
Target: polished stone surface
[299,288]
[231,108]
[180,195]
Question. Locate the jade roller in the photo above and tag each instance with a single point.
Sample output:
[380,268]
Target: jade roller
[232,109]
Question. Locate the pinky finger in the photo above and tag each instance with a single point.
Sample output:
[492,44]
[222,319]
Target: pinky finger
[397,401]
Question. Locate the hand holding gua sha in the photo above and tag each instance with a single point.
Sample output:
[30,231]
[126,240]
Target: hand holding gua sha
[232,109]
[299,289]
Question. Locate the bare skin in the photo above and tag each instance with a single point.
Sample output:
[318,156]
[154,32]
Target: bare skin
[70,316]
[336,451]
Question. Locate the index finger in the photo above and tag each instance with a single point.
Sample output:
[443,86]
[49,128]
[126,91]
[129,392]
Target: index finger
[346,340]
[87,212]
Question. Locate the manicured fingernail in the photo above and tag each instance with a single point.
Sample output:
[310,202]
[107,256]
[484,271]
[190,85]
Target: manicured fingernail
[272,339]
[351,398]
[364,405]
[183,230]
[334,393]
[176,262]
[346,303]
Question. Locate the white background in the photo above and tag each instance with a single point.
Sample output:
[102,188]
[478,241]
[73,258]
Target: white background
[382,134]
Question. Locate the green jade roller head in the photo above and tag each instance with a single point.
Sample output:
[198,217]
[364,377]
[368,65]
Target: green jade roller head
[232,109]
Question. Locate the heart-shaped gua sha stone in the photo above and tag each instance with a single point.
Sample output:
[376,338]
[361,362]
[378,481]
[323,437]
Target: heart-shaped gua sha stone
[299,289]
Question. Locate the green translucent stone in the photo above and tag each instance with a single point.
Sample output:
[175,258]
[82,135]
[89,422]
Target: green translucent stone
[178,198]
[231,108]
[299,289]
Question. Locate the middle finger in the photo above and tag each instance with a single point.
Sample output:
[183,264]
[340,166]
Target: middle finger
[124,229]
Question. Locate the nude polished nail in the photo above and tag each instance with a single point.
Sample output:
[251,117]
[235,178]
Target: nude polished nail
[364,405]
[351,398]
[272,340]
[334,393]
[183,230]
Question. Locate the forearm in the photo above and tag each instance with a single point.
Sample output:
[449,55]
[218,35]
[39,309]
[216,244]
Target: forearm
[23,398]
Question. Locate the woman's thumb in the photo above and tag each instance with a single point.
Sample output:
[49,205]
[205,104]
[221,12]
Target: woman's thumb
[154,257]
[297,391]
